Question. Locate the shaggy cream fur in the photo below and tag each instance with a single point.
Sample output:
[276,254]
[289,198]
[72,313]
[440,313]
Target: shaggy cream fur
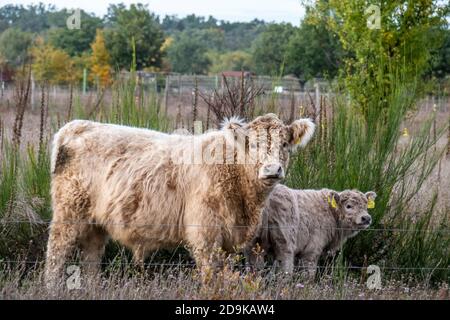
[151,190]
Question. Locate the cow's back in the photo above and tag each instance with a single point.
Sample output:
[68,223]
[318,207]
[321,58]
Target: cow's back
[295,220]
[315,219]
[126,175]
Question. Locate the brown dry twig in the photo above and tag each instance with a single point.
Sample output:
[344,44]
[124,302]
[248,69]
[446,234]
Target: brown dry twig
[234,99]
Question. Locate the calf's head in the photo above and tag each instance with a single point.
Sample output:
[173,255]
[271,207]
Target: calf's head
[266,143]
[351,207]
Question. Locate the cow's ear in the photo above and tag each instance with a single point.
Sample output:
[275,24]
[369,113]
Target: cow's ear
[371,195]
[301,131]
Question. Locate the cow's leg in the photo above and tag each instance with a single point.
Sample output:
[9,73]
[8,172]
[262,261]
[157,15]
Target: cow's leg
[61,245]
[286,260]
[284,251]
[309,261]
[92,249]
[206,244]
[70,214]
[139,255]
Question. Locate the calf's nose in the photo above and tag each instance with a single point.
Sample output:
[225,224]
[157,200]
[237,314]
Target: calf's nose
[366,219]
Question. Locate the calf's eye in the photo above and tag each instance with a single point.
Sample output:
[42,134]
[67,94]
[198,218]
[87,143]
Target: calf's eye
[349,206]
[285,145]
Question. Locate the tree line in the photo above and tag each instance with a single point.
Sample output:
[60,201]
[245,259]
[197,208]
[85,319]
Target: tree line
[318,47]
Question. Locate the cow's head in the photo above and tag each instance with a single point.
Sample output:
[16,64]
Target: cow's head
[266,143]
[351,207]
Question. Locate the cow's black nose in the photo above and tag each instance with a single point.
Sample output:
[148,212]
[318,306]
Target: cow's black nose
[366,219]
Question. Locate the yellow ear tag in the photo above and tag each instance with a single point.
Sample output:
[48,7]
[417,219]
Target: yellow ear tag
[332,202]
[370,203]
[297,141]
[405,132]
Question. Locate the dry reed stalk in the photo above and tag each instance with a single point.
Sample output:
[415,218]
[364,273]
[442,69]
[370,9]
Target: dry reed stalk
[69,111]
[241,94]
[178,119]
[208,116]
[292,107]
[313,105]
[448,137]
[195,104]
[42,117]
[2,134]
[22,96]
[324,124]
[97,104]
[42,123]
[435,145]
[320,122]
[58,120]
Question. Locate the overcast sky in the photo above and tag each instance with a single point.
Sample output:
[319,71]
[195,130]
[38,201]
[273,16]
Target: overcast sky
[232,10]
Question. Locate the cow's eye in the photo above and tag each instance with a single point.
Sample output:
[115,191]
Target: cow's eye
[285,145]
[349,206]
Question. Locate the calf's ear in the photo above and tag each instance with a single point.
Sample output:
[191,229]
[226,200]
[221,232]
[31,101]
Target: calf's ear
[301,131]
[371,194]
[334,199]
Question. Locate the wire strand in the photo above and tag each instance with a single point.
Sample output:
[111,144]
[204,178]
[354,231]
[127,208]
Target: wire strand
[446,230]
[191,265]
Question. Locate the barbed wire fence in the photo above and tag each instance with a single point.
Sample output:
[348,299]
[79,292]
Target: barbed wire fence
[241,266]
[168,225]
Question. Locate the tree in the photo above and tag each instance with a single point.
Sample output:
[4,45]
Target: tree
[172,24]
[230,61]
[188,55]
[76,41]
[100,67]
[233,35]
[403,44]
[211,38]
[241,35]
[33,18]
[14,45]
[138,23]
[270,48]
[50,64]
[313,51]
[441,58]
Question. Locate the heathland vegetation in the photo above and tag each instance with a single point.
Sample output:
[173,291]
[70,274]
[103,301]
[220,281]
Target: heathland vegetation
[379,79]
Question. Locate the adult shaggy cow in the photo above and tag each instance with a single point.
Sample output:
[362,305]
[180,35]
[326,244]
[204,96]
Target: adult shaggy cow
[151,190]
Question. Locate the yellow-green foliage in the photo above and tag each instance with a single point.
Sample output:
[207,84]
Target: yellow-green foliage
[230,61]
[408,34]
[51,64]
[100,67]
